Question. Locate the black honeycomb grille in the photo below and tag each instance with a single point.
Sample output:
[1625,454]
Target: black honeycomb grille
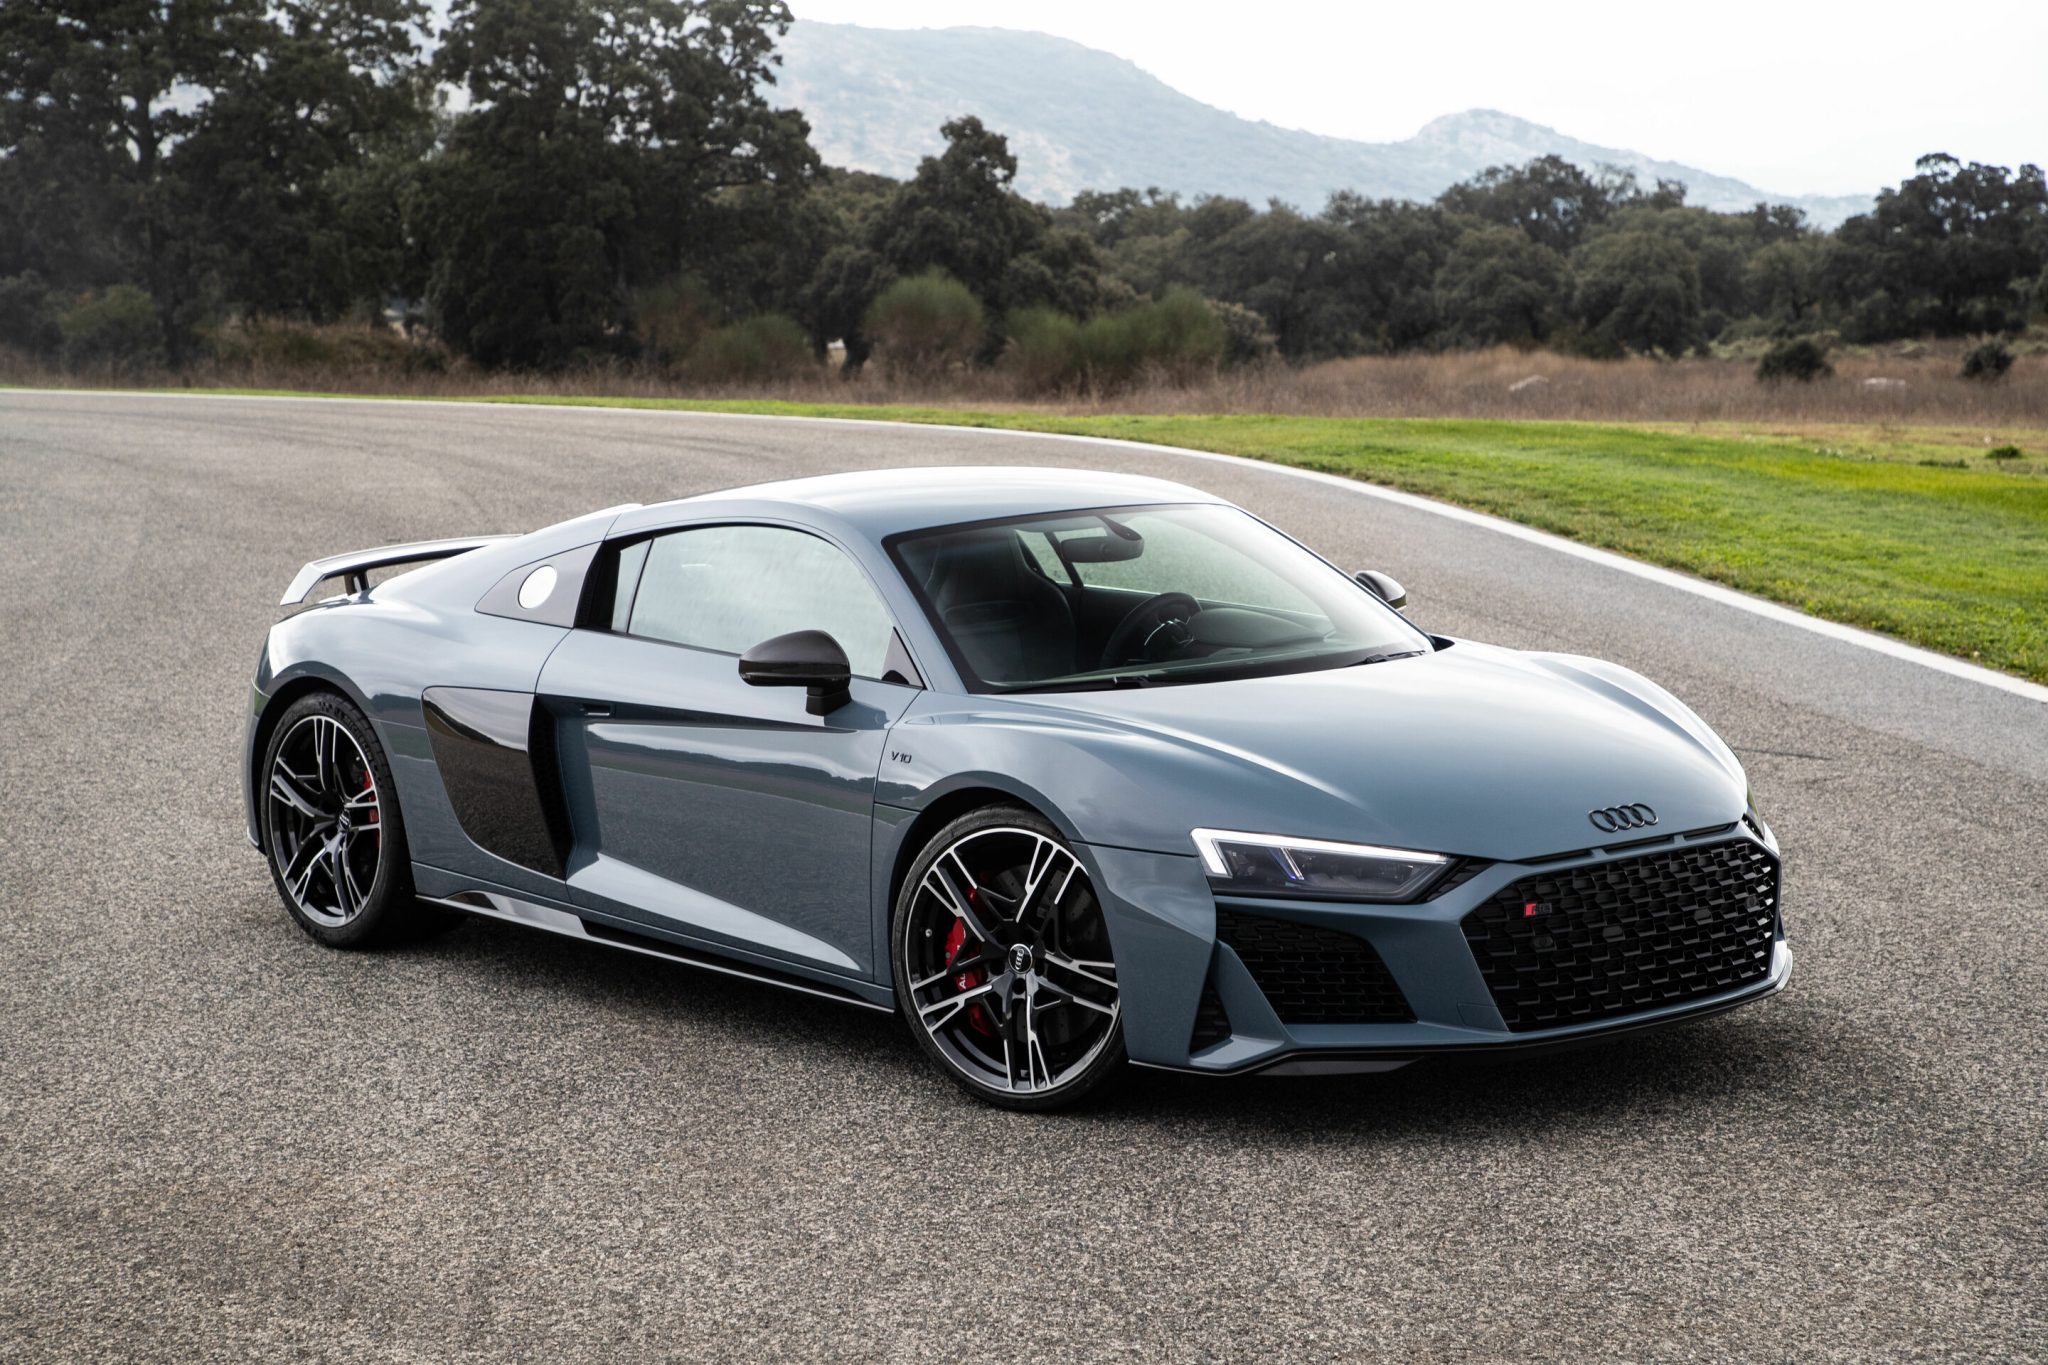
[1594,942]
[1313,975]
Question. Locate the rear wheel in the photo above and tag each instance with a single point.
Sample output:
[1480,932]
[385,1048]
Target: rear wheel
[1003,964]
[332,829]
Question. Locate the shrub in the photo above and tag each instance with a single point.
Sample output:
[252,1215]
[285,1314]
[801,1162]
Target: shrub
[1987,363]
[1177,337]
[752,351]
[27,320]
[925,325]
[115,329]
[1043,349]
[1801,359]
[1180,336]
[266,345]
[1246,338]
[671,317]
[2002,453]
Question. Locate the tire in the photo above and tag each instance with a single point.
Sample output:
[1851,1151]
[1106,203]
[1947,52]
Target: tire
[1003,965]
[332,831]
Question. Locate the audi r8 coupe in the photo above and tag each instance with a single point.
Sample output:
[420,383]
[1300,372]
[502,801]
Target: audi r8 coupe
[1069,769]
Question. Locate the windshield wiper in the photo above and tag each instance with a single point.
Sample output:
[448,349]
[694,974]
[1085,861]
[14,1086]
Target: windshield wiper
[1392,654]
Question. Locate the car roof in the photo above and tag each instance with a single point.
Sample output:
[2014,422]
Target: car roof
[882,502]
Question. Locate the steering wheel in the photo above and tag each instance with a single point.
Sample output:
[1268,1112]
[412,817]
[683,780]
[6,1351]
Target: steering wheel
[1153,631]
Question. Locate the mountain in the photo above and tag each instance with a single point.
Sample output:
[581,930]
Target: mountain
[1079,118]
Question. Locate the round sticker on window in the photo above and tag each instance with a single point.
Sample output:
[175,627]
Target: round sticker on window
[538,586]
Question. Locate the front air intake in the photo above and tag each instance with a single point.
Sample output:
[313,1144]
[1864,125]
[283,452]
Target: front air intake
[1313,975]
[1591,943]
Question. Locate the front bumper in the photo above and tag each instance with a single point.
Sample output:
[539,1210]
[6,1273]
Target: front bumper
[1324,1058]
[1161,907]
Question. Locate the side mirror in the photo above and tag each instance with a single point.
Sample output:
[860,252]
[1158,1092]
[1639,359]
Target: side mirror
[1380,585]
[809,659]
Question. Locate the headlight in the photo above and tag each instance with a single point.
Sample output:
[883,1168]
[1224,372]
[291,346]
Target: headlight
[1756,819]
[1276,865]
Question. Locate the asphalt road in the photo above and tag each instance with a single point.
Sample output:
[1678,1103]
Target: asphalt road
[219,1140]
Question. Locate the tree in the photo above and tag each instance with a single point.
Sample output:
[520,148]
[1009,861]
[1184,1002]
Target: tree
[1782,282]
[1554,202]
[1720,244]
[1951,251]
[260,181]
[1387,268]
[960,215]
[1498,286]
[592,158]
[842,290]
[1285,267]
[1639,291]
[189,145]
[1142,238]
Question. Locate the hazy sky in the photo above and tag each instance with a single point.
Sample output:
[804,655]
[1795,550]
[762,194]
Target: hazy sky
[1791,96]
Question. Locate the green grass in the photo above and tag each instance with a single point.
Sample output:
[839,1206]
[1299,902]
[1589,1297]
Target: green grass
[1850,526]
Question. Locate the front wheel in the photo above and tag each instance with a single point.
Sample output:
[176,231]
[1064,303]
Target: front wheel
[332,830]
[1003,964]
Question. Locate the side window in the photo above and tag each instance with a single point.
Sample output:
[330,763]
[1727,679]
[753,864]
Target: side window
[728,588]
[632,560]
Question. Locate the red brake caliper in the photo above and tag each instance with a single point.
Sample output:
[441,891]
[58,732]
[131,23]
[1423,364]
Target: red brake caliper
[371,817]
[956,939]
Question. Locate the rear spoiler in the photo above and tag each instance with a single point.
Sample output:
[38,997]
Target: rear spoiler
[356,565]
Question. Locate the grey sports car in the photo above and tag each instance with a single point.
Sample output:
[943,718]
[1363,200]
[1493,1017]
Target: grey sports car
[1070,769]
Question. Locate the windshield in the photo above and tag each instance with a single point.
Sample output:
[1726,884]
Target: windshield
[1137,596]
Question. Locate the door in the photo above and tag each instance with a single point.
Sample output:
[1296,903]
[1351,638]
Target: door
[703,805]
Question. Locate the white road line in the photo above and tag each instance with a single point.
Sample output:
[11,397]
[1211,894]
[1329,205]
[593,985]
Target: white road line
[1698,587]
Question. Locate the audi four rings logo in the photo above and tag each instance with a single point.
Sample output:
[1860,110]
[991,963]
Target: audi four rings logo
[1616,818]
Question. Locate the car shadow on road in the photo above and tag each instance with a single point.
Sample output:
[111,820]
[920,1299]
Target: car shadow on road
[1707,1066]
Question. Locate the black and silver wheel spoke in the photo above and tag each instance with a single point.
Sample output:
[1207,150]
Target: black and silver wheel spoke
[305,859]
[324,801]
[940,1012]
[939,882]
[1046,883]
[295,792]
[1009,966]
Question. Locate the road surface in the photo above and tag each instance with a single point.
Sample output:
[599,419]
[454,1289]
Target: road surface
[221,1140]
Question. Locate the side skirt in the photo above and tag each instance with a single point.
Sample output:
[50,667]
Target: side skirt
[497,905]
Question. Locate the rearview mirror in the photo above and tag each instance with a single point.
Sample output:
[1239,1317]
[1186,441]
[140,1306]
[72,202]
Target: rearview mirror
[1384,587]
[809,659]
[1105,547]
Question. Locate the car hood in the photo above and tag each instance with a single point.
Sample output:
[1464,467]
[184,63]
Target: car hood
[1471,750]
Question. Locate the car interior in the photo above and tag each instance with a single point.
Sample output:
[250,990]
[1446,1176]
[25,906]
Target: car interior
[1026,603]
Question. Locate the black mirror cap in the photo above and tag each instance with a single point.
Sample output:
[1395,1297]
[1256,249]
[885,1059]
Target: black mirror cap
[810,659]
[1384,587]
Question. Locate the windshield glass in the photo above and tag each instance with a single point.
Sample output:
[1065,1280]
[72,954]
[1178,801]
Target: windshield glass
[1140,595]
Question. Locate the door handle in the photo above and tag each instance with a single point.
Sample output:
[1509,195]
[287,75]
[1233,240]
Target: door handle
[597,708]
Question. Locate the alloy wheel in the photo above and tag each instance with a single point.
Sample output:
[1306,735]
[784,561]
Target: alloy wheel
[326,832]
[1010,966]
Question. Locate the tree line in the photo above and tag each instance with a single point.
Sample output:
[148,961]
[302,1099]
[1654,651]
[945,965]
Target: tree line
[542,184]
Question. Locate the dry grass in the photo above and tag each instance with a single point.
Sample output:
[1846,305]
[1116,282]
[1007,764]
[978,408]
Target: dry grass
[1925,389]
[1921,388]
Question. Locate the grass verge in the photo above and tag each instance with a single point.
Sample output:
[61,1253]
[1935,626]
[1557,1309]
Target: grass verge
[1951,558]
